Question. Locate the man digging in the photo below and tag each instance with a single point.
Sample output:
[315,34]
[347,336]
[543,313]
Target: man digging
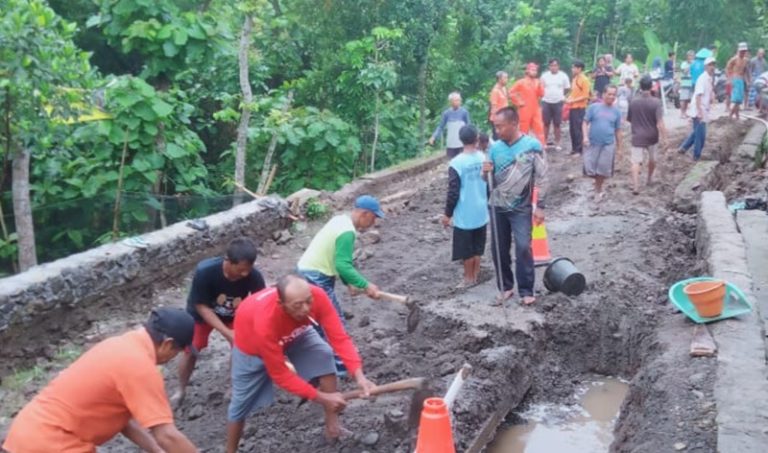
[466,206]
[114,387]
[218,287]
[280,322]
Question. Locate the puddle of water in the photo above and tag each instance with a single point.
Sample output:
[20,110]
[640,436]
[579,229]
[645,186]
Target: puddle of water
[586,427]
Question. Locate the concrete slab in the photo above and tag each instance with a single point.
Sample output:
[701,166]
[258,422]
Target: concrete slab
[754,229]
[741,390]
[702,176]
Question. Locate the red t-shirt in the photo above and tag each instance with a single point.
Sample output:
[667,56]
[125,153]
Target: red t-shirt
[264,329]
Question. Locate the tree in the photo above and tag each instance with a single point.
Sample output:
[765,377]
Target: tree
[37,60]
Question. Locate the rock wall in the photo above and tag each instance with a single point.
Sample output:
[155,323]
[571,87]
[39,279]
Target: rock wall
[127,268]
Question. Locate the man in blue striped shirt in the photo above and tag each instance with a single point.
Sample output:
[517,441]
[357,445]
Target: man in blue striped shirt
[453,119]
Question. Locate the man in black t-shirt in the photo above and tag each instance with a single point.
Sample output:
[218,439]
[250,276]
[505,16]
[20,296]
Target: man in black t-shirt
[218,287]
[647,118]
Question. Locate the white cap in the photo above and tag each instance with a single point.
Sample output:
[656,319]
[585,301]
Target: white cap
[743,46]
[709,60]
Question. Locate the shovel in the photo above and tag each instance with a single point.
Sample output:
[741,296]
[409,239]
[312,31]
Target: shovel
[414,312]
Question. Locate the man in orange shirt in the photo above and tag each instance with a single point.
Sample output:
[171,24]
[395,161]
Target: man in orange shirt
[115,387]
[499,98]
[577,101]
[526,94]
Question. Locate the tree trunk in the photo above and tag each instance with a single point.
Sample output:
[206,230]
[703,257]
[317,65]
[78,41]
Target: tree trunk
[578,37]
[375,131]
[266,168]
[22,210]
[245,116]
[423,100]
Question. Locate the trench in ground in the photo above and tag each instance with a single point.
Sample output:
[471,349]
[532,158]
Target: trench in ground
[630,249]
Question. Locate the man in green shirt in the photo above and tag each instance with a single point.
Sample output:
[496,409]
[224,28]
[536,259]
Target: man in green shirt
[329,255]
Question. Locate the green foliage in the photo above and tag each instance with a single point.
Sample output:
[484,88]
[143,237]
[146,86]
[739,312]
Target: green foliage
[167,37]
[316,209]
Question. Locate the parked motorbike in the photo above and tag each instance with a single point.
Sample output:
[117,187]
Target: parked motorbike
[671,88]
[720,82]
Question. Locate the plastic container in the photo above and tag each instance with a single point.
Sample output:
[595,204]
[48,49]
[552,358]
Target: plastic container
[563,276]
[707,297]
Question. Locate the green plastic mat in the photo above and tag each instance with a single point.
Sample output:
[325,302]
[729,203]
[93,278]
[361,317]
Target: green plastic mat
[735,303]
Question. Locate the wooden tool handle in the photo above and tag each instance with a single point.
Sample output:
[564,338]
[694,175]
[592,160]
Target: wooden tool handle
[405,384]
[394,297]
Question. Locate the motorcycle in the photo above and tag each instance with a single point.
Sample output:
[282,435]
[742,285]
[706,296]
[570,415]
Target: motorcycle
[671,88]
[720,85]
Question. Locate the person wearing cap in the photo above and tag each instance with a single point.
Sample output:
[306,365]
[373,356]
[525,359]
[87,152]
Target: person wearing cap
[699,110]
[738,76]
[218,286]
[329,255]
[454,117]
[526,95]
[646,116]
[115,387]
[280,323]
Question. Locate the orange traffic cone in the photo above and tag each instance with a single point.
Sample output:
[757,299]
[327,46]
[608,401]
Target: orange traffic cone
[435,434]
[539,244]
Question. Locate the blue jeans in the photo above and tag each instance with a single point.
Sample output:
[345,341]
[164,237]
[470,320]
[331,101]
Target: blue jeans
[696,138]
[328,284]
[514,224]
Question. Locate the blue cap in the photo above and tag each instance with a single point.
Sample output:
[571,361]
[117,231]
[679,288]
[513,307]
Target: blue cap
[369,203]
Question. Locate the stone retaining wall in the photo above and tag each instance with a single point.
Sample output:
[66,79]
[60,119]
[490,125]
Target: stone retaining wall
[119,269]
[379,180]
[741,388]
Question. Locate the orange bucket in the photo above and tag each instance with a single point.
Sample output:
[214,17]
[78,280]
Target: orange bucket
[707,297]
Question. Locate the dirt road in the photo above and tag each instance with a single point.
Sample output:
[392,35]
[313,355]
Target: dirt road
[630,247]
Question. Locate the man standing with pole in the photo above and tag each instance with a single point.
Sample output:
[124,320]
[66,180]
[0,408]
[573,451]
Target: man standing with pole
[516,166]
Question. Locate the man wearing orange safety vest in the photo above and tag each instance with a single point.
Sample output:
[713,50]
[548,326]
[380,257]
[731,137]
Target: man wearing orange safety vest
[526,94]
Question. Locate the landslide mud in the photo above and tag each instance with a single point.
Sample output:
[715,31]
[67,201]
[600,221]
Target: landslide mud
[631,248]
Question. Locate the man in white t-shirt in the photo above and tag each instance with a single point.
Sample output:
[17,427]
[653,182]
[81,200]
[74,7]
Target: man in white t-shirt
[699,110]
[556,84]
[628,70]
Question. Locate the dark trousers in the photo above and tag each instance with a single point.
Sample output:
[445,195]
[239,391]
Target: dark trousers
[515,224]
[575,120]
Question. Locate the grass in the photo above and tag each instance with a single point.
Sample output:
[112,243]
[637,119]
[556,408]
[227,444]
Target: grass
[19,379]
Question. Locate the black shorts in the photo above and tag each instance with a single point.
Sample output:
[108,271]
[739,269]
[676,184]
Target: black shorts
[468,243]
[552,113]
[453,152]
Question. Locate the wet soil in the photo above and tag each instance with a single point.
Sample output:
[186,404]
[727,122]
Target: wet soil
[631,248]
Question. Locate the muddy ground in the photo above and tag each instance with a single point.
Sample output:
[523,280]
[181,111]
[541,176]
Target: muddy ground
[631,249]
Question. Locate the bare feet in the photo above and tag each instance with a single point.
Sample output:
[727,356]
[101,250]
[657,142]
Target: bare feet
[501,297]
[177,400]
[528,300]
[335,433]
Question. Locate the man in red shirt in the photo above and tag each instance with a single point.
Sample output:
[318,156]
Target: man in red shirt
[279,322]
[526,94]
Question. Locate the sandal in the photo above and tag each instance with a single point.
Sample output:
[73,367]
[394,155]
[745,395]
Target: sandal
[528,300]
